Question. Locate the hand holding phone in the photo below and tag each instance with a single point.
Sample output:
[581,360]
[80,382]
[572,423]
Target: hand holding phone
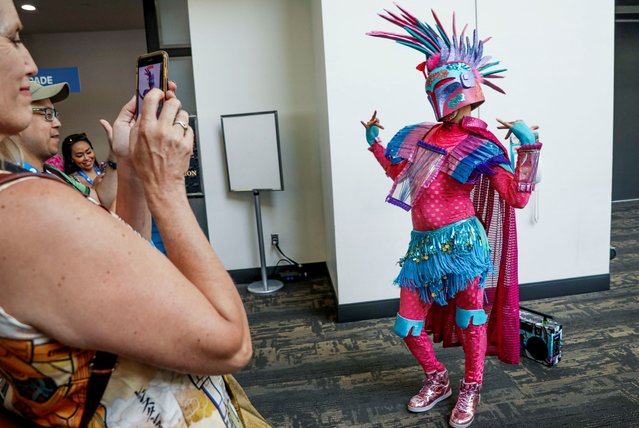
[152,72]
[161,147]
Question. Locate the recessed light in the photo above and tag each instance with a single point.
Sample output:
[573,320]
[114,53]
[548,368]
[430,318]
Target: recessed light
[28,7]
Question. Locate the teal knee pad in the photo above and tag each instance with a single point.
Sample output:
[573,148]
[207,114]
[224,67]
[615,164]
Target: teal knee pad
[463,316]
[403,326]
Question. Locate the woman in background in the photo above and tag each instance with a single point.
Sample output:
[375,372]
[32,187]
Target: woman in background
[80,161]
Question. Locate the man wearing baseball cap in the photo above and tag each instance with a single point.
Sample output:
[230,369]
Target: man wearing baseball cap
[40,140]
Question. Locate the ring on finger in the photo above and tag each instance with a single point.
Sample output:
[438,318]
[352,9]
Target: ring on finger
[184,125]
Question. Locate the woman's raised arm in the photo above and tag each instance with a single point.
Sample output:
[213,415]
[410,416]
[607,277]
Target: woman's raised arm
[73,271]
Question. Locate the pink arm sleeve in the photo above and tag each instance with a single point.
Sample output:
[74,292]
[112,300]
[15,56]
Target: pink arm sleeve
[506,186]
[391,170]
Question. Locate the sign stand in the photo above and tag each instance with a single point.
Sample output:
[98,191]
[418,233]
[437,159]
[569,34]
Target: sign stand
[265,286]
[253,163]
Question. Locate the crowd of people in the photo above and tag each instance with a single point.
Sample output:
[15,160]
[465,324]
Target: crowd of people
[143,338]
[37,146]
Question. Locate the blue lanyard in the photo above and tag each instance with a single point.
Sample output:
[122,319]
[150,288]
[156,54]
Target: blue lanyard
[86,177]
[30,167]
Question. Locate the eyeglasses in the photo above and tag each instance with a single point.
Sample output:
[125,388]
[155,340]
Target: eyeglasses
[49,113]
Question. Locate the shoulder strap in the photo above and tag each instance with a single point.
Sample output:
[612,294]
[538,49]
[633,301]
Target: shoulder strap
[102,365]
[6,178]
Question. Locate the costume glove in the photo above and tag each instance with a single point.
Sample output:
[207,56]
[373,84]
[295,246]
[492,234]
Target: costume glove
[371,133]
[523,133]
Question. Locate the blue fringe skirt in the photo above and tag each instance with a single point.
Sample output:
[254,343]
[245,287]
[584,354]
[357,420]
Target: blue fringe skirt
[440,263]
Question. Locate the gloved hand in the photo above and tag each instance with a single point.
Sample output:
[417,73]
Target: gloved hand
[523,133]
[372,128]
[372,132]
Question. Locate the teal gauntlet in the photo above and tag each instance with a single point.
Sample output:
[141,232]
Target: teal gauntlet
[371,133]
[523,133]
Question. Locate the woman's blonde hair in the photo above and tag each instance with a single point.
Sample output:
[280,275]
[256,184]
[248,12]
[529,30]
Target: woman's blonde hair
[10,151]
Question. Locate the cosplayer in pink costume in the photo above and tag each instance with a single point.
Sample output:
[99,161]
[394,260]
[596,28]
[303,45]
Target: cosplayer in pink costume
[457,182]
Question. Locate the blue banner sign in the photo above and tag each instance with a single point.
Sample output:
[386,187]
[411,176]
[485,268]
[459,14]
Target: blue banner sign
[49,76]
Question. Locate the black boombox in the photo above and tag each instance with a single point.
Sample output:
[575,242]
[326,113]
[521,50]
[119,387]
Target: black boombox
[540,338]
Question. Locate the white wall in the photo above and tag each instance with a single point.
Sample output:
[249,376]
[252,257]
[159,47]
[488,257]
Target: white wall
[562,78]
[253,56]
[324,142]
[560,60]
[106,63]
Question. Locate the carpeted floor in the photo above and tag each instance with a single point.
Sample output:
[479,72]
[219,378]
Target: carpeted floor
[308,371]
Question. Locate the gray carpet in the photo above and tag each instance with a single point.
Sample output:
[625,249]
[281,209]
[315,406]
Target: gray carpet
[309,371]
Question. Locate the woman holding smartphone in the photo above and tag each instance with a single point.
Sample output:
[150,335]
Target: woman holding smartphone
[159,317]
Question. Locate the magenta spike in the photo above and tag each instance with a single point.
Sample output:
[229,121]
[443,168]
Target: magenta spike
[426,37]
[463,32]
[393,19]
[399,20]
[440,24]
[387,35]
[391,36]
[407,14]
[493,76]
[454,27]
[492,85]
[486,39]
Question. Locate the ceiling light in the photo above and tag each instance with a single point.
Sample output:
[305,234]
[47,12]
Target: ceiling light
[28,7]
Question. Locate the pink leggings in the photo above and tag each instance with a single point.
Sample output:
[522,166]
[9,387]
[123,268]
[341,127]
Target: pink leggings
[473,338]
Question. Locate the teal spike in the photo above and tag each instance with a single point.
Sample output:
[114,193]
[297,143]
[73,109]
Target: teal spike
[494,72]
[444,36]
[441,29]
[417,47]
[426,43]
[488,65]
[429,31]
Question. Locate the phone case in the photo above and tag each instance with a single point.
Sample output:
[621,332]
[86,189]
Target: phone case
[151,72]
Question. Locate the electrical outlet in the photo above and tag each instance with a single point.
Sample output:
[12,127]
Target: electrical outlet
[275,239]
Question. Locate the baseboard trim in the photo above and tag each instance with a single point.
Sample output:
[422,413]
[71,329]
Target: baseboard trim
[532,291]
[367,310]
[564,287]
[245,276]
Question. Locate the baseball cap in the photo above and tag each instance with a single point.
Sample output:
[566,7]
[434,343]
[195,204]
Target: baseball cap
[56,92]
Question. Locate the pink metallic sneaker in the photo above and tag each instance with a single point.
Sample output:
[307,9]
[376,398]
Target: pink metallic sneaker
[467,402]
[436,388]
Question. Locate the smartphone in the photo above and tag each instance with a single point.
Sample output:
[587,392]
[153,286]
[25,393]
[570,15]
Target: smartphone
[152,72]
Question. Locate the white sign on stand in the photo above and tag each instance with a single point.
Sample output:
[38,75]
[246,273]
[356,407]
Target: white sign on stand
[251,144]
[253,164]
